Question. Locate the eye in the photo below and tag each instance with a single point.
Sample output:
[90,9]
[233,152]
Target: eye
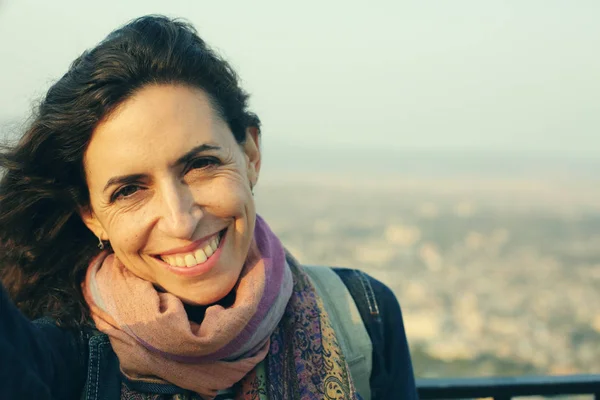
[124,192]
[202,163]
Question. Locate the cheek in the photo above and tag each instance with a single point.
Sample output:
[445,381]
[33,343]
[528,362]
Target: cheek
[127,246]
[227,198]
[128,234]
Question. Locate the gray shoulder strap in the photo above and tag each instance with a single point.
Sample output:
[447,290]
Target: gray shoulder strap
[348,325]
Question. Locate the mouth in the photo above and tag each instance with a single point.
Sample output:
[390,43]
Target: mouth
[199,259]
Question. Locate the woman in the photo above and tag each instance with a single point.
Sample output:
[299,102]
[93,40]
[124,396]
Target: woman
[128,232]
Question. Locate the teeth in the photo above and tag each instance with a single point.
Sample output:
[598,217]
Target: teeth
[200,256]
[192,259]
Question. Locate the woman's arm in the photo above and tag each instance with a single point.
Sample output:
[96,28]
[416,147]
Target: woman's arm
[37,361]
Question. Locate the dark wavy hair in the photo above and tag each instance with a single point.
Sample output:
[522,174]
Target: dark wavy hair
[44,246]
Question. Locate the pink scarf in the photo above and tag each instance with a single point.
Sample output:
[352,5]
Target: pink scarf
[154,340]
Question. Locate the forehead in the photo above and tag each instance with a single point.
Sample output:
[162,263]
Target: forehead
[156,124]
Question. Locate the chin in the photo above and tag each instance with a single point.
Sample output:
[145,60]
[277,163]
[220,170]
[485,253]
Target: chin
[208,291]
[202,298]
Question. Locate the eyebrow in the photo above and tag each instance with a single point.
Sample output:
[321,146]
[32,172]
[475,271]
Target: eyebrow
[189,156]
[185,159]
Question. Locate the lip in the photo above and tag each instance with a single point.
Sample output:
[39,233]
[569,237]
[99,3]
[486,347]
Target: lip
[200,268]
[198,244]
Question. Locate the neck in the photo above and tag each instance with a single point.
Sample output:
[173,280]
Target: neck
[196,313]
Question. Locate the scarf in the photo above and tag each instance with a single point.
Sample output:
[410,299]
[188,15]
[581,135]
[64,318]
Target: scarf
[276,311]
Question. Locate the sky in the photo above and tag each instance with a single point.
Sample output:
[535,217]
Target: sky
[518,76]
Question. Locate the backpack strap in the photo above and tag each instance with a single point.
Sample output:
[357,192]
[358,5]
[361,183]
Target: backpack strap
[392,375]
[348,325]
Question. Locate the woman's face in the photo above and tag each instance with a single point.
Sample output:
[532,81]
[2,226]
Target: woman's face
[170,188]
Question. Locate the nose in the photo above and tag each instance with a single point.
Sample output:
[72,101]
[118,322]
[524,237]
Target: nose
[180,213]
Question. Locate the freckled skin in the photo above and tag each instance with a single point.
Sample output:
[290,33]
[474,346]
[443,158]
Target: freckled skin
[170,206]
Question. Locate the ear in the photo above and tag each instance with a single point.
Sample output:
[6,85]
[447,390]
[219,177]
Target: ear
[251,149]
[91,221]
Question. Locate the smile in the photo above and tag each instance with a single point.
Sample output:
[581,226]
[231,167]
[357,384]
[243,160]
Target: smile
[199,254]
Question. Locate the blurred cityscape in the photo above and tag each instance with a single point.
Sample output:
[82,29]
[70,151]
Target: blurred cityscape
[494,276]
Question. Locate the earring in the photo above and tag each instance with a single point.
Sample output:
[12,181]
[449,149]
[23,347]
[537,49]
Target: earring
[100,244]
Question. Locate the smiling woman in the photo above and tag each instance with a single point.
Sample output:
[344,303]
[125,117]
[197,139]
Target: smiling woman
[128,231]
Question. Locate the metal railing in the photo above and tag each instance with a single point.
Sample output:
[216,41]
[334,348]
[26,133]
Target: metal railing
[504,388]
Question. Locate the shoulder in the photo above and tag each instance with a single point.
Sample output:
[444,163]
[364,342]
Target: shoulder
[370,294]
[392,374]
[51,326]
[70,340]
[93,366]
[375,301]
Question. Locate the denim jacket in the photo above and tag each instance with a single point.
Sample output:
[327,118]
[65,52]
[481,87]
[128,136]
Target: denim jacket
[41,361]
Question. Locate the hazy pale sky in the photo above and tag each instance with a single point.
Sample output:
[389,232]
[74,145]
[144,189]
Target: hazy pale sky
[520,75]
